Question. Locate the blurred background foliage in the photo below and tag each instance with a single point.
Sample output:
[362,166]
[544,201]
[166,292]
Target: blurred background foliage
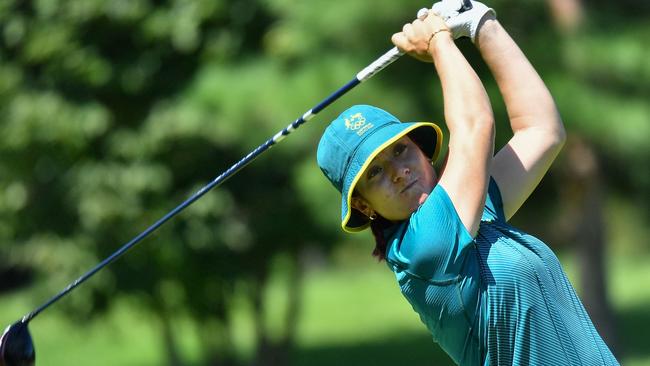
[112,112]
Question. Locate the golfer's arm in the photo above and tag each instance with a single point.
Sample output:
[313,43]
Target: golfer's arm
[538,131]
[470,120]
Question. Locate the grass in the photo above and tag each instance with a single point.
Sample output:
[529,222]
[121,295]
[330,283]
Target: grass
[351,315]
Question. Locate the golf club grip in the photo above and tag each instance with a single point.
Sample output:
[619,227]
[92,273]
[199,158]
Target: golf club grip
[371,70]
[379,64]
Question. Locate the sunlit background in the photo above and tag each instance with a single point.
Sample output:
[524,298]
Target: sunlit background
[114,111]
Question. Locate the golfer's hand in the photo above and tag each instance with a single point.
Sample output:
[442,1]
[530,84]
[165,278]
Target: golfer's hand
[465,24]
[417,38]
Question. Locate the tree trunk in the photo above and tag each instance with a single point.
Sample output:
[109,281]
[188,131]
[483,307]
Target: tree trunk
[215,332]
[169,341]
[276,353]
[294,294]
[216,344]
[264,354]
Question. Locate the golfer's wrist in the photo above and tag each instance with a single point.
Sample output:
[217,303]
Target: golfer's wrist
[487,28]
[439,41]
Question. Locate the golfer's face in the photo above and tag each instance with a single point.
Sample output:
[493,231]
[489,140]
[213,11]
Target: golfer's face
[398,180]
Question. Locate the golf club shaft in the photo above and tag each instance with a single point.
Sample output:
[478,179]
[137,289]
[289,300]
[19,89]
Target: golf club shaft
[365,74]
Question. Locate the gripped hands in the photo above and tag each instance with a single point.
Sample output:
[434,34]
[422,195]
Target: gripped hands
[418,38]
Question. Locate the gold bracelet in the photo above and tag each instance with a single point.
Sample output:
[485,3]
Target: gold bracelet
[433,35]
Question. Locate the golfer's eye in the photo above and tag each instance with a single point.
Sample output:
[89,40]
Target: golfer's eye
[373,171]
[399,149]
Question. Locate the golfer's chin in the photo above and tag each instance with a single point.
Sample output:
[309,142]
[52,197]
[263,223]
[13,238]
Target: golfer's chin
[415,201]
[417,196]
[406,205]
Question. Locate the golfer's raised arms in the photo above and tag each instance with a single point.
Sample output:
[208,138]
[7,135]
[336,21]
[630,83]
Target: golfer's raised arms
[538,131]
[468,115]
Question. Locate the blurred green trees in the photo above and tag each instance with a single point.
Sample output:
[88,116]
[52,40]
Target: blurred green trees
[112,112]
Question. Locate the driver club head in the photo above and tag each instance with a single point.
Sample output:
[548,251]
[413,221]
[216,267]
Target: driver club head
[16,346]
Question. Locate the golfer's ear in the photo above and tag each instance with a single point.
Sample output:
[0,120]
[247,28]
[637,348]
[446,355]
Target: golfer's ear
[361,205]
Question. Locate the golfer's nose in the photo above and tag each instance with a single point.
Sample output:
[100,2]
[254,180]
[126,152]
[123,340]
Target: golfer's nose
[400,173]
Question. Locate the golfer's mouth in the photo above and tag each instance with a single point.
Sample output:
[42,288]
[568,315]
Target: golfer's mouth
[408,186]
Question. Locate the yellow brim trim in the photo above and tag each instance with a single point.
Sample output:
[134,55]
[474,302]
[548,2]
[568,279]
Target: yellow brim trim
[373,155]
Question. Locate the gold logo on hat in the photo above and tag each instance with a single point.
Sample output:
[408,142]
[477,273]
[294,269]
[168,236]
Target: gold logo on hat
[357,122]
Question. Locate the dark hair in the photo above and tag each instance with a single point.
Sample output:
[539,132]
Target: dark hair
[378,226]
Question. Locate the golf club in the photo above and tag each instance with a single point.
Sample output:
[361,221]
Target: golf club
[16,345]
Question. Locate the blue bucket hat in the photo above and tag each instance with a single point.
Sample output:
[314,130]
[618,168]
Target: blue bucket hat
[353,139]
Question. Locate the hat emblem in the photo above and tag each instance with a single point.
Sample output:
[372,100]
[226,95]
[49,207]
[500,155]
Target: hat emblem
[357,123]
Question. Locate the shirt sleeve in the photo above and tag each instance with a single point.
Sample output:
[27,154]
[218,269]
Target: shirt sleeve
[435,240]
[493,210]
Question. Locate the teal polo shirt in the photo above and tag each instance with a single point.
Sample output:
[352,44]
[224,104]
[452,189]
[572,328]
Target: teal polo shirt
[500,298]
[434,260]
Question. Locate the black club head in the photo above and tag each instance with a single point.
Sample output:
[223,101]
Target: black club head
[16,346]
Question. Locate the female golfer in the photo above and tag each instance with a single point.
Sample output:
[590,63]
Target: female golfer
[489,293]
